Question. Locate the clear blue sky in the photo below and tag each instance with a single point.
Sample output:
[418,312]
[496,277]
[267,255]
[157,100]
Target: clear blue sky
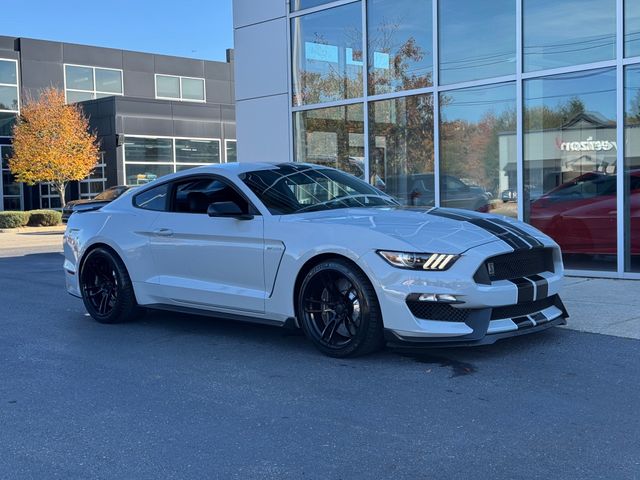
[187,28]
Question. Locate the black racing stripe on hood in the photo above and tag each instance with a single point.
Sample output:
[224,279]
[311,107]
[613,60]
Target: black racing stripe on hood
[504,234]
[518,231]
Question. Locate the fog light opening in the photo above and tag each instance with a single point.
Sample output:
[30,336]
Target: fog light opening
[438,298]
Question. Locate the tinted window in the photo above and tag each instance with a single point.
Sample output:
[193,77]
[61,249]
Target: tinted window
[153,199]
[195,195]
[108,80]
[79,78]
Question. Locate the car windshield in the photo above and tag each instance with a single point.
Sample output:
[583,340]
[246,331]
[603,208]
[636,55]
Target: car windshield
[111,193]
[288,189]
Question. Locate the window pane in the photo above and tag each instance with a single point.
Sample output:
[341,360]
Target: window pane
[193,89]
[232,154]
[73,97]
[8,98]
[302,4]
[478,149]
[143,174]
[7,153]
[632,28]
[333,137]
[477,40]
[153,199]
[327,55]
[558,33]
[197,151]
[7,120]
[8,73]
[570,151]
[79,78]
[632,168]
[108,81]
[148,149]
[400,49]
[9,184]
[401,148]
[168,87]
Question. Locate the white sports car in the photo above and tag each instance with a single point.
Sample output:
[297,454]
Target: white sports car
[304,246]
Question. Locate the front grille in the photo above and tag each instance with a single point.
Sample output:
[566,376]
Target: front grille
[523,309]
[437,311]
[515,265]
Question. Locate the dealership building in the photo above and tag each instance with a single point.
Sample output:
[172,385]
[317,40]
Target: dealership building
[531,105]
[153,114]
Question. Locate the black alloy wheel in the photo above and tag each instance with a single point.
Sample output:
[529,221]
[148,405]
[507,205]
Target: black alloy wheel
[106,288]
[339,310]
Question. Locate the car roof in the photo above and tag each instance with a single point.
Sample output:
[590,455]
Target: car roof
[243,167]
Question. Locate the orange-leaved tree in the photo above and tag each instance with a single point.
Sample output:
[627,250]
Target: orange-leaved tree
[52,143]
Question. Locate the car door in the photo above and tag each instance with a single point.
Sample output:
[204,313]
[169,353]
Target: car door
[207,262]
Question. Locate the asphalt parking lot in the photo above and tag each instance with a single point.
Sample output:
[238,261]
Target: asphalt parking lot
[178,397]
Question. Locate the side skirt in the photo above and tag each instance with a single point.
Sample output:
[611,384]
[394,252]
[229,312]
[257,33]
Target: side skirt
[289,323]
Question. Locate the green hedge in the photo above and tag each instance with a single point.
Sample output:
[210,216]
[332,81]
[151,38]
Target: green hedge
[34,218]
[44,218]
[13,219]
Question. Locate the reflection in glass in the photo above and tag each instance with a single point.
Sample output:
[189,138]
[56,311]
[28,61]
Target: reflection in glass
[400,45]
[137,174]
[7,153]
[333,137]
[632,168]
[478,149]
[477,40]
[148,149]
[570,151]
[74,97]
[632,28]
[108,80]
[232,152]
[9,98]
[9,185]
[302,4]
[167,86]
[401,148]
[8,73]
[7,120]
[197,151]
[79,78]
[327,55]
[193,89]
[559,33]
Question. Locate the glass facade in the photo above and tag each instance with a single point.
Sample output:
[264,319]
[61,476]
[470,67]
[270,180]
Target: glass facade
[10,190]
[9,99]
[442,103]
[560,33]
[148,158]
[489,52]
[87,83]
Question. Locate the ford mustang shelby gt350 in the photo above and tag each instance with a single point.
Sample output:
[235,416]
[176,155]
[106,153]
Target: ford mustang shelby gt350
[310,247]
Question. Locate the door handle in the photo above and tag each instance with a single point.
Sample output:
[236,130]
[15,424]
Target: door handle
[163,232]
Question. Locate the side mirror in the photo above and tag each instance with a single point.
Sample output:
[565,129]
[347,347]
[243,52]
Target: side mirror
[227,210]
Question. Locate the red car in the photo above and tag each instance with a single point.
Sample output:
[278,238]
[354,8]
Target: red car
[581,214]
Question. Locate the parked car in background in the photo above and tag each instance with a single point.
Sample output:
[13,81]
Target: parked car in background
[581,214]
[510,195]
[99,201]
[418,190]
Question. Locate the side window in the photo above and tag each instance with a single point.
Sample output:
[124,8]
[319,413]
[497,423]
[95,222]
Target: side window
[153,199]
[196,194]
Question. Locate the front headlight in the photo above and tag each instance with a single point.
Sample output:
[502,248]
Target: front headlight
[434,262]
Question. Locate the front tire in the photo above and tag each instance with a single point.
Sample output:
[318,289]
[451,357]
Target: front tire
[339,310]
[107,291]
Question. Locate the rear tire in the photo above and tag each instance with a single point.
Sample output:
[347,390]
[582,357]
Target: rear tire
[339,310]
[107,291]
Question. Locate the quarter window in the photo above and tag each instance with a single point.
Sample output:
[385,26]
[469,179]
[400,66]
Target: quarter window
[87,83]
[153,199]
[174,87]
